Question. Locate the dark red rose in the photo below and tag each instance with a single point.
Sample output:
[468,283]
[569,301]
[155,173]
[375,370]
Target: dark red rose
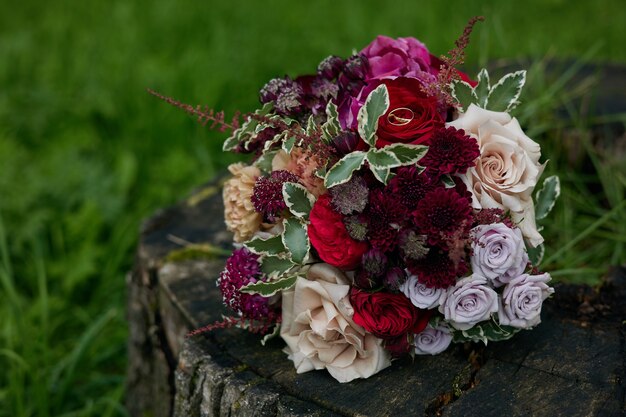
[412,115]
[330,238]
[387,315]
[398,346]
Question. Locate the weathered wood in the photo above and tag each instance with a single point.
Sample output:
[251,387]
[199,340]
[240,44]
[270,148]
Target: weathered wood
[572,364]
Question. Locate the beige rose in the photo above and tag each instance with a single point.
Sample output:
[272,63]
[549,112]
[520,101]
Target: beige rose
[318,328]
[239,213]
[302,164]
[507,169]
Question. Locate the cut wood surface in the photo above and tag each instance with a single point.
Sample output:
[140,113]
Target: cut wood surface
[572,364]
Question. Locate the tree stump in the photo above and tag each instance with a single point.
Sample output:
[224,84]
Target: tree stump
[572,364]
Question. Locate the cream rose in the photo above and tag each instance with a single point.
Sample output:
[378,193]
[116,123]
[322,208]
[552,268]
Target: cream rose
[507,169]
[318,328]
[239,214]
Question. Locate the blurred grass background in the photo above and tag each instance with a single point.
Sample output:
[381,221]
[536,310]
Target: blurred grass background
[85,153]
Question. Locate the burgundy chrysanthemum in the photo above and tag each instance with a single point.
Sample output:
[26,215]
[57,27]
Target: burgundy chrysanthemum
[450,151]
[267,196]
[442,212]
[410,186]
[384,216]
[436,269]
[242,268]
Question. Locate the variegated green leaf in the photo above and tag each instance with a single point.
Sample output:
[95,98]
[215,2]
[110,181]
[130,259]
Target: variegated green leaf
[246,132]
[535,255]
[463,93]
[311,126]
[296,240]
[504,95]
[298,199]
[547,196]
[331,127]
[382,159]
[264,162]
[342,171]
[448,181]
[481,91]
[271,246]
[376,104]
[271,335]
[407,154]
[382,174]
[274,266]
[269,288]
[484,332]
[288,144]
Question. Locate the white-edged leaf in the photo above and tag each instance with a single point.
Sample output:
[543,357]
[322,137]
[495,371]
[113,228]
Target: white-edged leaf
[407,154]
[276,139]
[298,199]
[272,246]
[448,181]
[342,171]
[264,162]
[311,126]
[481,91]
[274,266]
[271,335]
[376,104]
[382,174]
[246,132]
[484,332]
[331,127]
[269,288]
[463,93]
[535,255]
[504,95]
[296,240]
[547,196]
[382,159]
[288,144]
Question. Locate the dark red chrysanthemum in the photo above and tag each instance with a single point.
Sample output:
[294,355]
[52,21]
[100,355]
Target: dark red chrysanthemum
[450,151]
[384,216]
[492,215]
[442,212]
[267,196]
[436,269]
[410,186]
[242,268]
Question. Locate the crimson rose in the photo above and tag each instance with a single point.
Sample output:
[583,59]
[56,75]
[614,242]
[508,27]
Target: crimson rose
[412,115]
[387,315]
[330,238]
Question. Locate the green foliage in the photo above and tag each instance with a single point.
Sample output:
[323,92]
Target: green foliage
[342,171]
[296,240]
[269,288]
[298,199]
[547,196]
[484,332]
[500,97]
[376,104]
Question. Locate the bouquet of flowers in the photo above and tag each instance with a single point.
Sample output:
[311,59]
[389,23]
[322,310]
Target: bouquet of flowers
[387,210]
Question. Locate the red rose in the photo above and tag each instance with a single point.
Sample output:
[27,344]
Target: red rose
[412,115]
[387,315]
[330,238]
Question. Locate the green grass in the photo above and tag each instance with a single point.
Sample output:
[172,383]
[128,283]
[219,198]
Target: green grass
[85,153]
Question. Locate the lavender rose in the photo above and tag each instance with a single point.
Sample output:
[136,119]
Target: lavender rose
[498,252]
[469,302]
[420,295]
[522,299]
[433,340]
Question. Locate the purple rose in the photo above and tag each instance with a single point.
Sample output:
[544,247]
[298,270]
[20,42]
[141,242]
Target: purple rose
[396,57]
[522,299]
[433,340]
[498,253]
[420,295]
[469,302]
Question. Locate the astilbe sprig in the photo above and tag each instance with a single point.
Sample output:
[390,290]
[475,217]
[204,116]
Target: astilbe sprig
[447,71]
[204,114]
[253,326]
